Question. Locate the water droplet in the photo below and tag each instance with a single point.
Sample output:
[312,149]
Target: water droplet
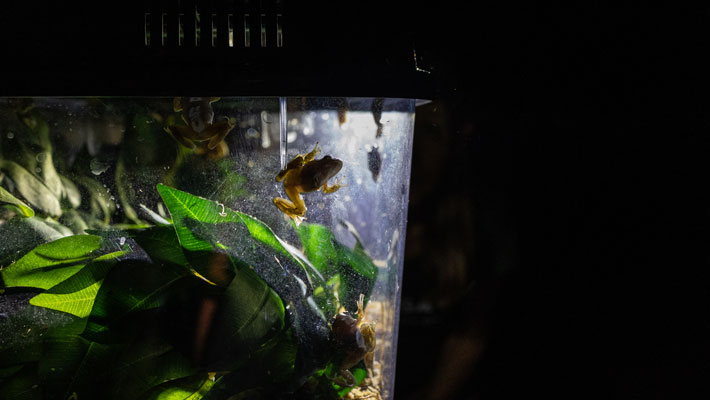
[41,156]
[122,241]
[10,135]
[97,167]
[266,117]
[325,116]
[38,170]
[291,137]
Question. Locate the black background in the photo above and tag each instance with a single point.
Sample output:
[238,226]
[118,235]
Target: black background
[557,234]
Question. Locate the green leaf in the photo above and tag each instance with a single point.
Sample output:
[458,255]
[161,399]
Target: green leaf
[161,243]
[191,388]
[123,294]
[77,363]
[352,269]
[250,313]
[20,235]
[76,294]
[16,204]
[142,368]
[31,188]
[202,225]
[184,207]
[9,371]
[51,263]
[22,386]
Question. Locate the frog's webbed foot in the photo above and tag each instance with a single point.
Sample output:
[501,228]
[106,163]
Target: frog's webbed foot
[180,132]
[313,153]
[334,187]
[345,378]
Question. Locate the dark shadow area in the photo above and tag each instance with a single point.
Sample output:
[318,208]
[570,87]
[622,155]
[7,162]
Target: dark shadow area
[557,231]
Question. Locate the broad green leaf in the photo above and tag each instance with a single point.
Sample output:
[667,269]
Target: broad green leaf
[32,189]
[317,241]
[350,270]
[129,287]
[191,388]
[278,356]
[22,385]
[61,357]
[142,368]
[80,364]
[19,206]
[161,243]
[20,354]
[50,263]
[20,235]
[185,207]
[250,313]
[202,225]
[76,294]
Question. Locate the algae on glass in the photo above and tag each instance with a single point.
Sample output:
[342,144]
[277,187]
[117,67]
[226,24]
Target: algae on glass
[158,249]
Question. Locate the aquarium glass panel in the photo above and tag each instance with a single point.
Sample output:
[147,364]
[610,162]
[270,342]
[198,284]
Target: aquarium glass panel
[201,247]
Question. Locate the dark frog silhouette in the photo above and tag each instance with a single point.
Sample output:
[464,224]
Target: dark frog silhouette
[198,115]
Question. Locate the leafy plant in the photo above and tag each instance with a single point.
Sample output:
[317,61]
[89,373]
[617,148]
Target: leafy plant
[140,298]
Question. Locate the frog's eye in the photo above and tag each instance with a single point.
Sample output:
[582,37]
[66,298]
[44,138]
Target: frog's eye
[327,158]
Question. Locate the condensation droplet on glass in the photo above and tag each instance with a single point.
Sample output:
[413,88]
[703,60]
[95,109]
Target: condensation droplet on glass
[122,241]
[358,181]
[325,116]
[41,156]
[347,198]
[266,117]
[10,135]
[291,137]
[307,131]
[250,164]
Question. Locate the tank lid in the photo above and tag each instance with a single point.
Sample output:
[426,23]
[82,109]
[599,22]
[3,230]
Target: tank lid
[216,48]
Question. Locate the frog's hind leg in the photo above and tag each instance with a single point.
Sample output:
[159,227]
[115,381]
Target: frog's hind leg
[221,129]
[295,209]
[180,132]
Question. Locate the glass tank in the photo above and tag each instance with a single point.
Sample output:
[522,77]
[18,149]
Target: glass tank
[201,247]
